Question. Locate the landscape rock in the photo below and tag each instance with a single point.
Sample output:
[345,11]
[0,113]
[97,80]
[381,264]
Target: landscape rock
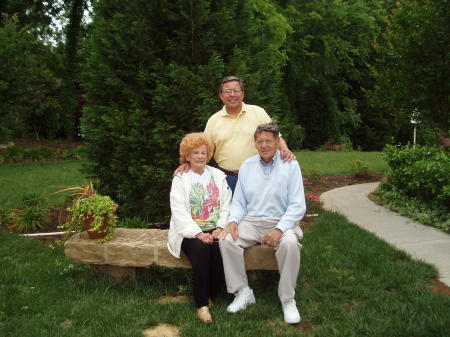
[146,247]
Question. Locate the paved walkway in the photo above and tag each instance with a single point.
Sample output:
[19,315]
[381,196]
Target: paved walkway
[422,242]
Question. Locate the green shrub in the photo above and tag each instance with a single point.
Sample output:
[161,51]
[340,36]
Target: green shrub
[71,154]
[134,222]
[5,217]
[344,143]
[32,200]
[293,134]
[419,173]
[39,153]
[360,169]
[422,172]
[30,219]
[14,154]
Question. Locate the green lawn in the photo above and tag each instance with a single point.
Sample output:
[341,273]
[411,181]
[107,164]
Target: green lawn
[351,284]
[19,180]
[338,163]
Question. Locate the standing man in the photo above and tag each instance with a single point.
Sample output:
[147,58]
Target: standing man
[231,130]
[268,202]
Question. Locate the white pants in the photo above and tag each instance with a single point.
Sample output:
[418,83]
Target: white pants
[287,252]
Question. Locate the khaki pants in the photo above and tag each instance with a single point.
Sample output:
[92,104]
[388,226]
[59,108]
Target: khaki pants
[287,252]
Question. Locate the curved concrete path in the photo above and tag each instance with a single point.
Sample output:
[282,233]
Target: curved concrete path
[422,242]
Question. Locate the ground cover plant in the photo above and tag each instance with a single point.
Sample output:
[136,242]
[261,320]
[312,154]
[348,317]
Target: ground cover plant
[351,284]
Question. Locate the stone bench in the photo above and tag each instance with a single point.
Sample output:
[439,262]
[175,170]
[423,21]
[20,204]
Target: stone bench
[133,248]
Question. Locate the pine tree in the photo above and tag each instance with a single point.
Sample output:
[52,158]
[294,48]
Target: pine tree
[152,76]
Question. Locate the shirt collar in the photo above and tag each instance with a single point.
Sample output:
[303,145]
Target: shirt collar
[273,161]
[224,113]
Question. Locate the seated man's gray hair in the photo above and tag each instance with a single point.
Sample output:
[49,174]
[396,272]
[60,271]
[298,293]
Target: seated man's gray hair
[271,127]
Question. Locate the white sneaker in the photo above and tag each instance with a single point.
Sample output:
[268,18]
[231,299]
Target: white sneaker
[243,299]
[291,314]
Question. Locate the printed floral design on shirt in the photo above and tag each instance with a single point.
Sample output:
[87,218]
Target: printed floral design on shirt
[205,204]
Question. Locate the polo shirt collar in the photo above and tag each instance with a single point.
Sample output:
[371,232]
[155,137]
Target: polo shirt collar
[224,113]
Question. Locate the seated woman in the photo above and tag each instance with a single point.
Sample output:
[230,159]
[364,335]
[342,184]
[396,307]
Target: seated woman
[199,201]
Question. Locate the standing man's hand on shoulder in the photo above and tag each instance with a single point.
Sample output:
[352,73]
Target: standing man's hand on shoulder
[182,168]
[286,154]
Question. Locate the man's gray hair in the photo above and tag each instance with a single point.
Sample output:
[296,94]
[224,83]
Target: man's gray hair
[229,79]
[271,127]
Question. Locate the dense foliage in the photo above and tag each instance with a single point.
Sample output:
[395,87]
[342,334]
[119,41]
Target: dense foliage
[28,86]
[413,67]
[333,73]
[420,175]
[330,44]
[153,76]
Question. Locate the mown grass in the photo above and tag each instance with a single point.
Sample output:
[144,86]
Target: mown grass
[20,180]
[337,162]
[351,284]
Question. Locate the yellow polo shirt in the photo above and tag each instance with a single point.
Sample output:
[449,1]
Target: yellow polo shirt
[233,136]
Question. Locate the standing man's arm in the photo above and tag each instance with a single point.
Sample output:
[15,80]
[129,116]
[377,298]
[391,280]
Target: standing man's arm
[182,169]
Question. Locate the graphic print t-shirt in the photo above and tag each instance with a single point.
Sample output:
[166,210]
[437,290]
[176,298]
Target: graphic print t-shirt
[204,200]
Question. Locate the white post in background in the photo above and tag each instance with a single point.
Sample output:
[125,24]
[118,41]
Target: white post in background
[413,121]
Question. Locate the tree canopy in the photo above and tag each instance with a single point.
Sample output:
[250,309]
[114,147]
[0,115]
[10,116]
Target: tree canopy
[329,71]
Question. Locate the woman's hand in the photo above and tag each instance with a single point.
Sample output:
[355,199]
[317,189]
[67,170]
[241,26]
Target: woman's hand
[205,237]
[216,234]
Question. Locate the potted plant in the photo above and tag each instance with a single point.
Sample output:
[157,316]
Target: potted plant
[92,212]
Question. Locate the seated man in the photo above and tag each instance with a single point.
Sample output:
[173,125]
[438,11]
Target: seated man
[267,204]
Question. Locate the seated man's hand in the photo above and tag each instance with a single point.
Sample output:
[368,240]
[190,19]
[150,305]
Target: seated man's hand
[182,168]
[205,237]
[217,233]
[232,229]
[287,155]
[271,238]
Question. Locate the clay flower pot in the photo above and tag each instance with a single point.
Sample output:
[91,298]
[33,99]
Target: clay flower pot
[102,231]
[99,233]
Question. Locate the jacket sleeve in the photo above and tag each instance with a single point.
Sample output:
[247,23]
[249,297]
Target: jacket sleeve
[181,218]
[225,203]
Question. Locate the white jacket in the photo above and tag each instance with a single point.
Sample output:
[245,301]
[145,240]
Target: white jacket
[181,223]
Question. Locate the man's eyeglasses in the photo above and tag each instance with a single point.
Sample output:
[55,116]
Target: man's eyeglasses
[231,91]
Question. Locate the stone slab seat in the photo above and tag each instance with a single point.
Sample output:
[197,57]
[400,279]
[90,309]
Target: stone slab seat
[131,248]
